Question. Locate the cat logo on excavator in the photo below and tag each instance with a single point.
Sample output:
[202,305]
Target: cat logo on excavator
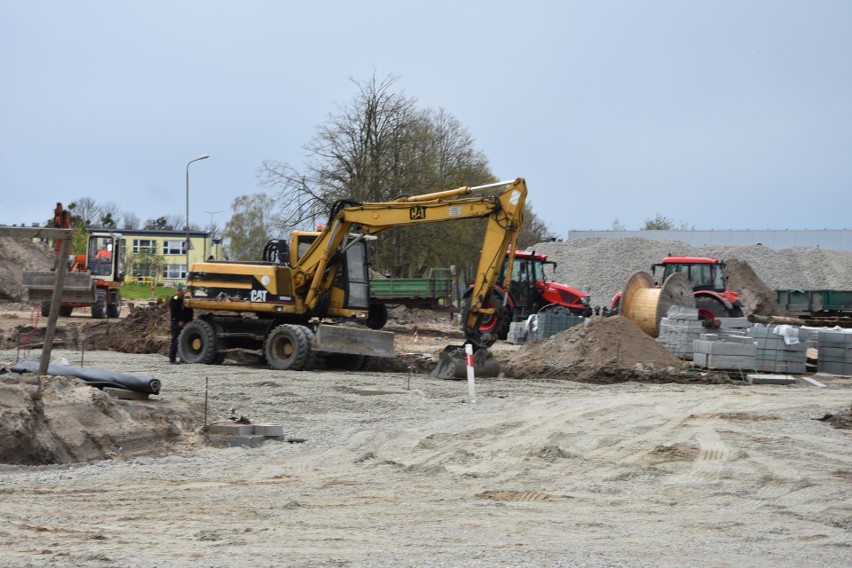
[417,213]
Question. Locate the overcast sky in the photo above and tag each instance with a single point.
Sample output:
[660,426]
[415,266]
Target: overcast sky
[717,115]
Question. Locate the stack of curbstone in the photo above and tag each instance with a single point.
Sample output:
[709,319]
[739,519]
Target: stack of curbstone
[547,324]
[732,352]
[779,349]
[517,332]
[248,435]
[835,352]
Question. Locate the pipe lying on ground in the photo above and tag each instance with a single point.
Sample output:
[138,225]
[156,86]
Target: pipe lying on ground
[95,377]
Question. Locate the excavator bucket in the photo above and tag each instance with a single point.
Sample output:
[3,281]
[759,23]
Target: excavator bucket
[78,286]
[452,363]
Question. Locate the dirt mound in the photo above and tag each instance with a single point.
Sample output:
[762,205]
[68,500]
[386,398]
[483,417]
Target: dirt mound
[73,422]
[16,255]
[145,330]
[602,350]
[757,297]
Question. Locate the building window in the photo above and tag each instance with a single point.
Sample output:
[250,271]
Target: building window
[174,271]
[144,245]
[173,247]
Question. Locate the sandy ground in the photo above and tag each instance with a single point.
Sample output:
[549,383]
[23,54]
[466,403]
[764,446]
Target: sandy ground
[403,470]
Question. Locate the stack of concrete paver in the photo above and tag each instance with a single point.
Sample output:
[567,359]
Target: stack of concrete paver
[835,352]
[517,332]
[679,329]
[724,351]
[541,326]
[779,349]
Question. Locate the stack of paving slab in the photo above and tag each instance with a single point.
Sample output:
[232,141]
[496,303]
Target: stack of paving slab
[724,351]
[679,329]
[835,352]
[779,349]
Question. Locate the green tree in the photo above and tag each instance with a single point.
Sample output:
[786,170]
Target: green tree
[145,263]
[251,226]
[662,223]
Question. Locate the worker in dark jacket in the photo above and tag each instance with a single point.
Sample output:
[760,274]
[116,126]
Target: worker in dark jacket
[180,317]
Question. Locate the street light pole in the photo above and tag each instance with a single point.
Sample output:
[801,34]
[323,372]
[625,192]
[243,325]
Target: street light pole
[202,157]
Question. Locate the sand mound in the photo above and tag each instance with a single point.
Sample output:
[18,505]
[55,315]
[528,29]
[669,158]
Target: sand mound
[73,422]
[602,350]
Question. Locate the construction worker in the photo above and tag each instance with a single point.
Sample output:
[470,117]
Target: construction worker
[64,223]
[180,316]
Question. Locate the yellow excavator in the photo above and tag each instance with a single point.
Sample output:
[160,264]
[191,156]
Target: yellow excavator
[305,299]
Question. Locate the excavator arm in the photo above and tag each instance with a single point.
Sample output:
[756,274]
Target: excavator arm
[504,212]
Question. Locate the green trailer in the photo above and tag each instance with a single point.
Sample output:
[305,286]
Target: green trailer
[436,289]
[815,303]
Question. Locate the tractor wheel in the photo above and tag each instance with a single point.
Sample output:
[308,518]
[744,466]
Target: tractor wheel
[65,311]
[99,306]
[496,324]
[197,343]
[377,317]
[287,348]
[114,305]
[710,308]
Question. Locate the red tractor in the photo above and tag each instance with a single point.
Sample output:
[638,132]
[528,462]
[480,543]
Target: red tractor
[707,276]
[530,292]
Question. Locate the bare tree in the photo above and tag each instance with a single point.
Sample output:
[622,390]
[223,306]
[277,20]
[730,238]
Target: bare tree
[376,148]
[130,221]
[86,211]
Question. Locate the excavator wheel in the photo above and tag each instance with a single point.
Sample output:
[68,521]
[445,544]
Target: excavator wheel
[197,343]
[287,348]
[377,316]
[496,324]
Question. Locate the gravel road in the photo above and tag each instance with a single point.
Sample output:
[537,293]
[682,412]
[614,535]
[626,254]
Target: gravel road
[400,470]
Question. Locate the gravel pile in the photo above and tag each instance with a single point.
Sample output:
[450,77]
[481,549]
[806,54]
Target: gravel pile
[602,266]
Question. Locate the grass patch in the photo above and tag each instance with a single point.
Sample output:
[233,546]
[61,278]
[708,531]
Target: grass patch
[143,292]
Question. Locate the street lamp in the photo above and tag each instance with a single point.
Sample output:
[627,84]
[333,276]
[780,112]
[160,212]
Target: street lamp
[202,157]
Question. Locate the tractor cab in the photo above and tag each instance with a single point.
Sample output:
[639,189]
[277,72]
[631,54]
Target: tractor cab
[702,273]
[531,290]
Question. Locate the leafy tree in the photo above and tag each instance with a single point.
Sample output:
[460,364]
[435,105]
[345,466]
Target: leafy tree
[616,225]
[251,226]
[145,263]
[534,230]
[663,223]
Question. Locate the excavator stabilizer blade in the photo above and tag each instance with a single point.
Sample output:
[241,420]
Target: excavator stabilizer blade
[452,364]
[354,341]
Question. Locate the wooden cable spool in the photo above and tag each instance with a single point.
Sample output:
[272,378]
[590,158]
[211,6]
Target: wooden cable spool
[645,305]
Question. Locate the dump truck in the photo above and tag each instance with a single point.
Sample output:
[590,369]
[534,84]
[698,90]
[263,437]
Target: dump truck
[93,279]
[311,297]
